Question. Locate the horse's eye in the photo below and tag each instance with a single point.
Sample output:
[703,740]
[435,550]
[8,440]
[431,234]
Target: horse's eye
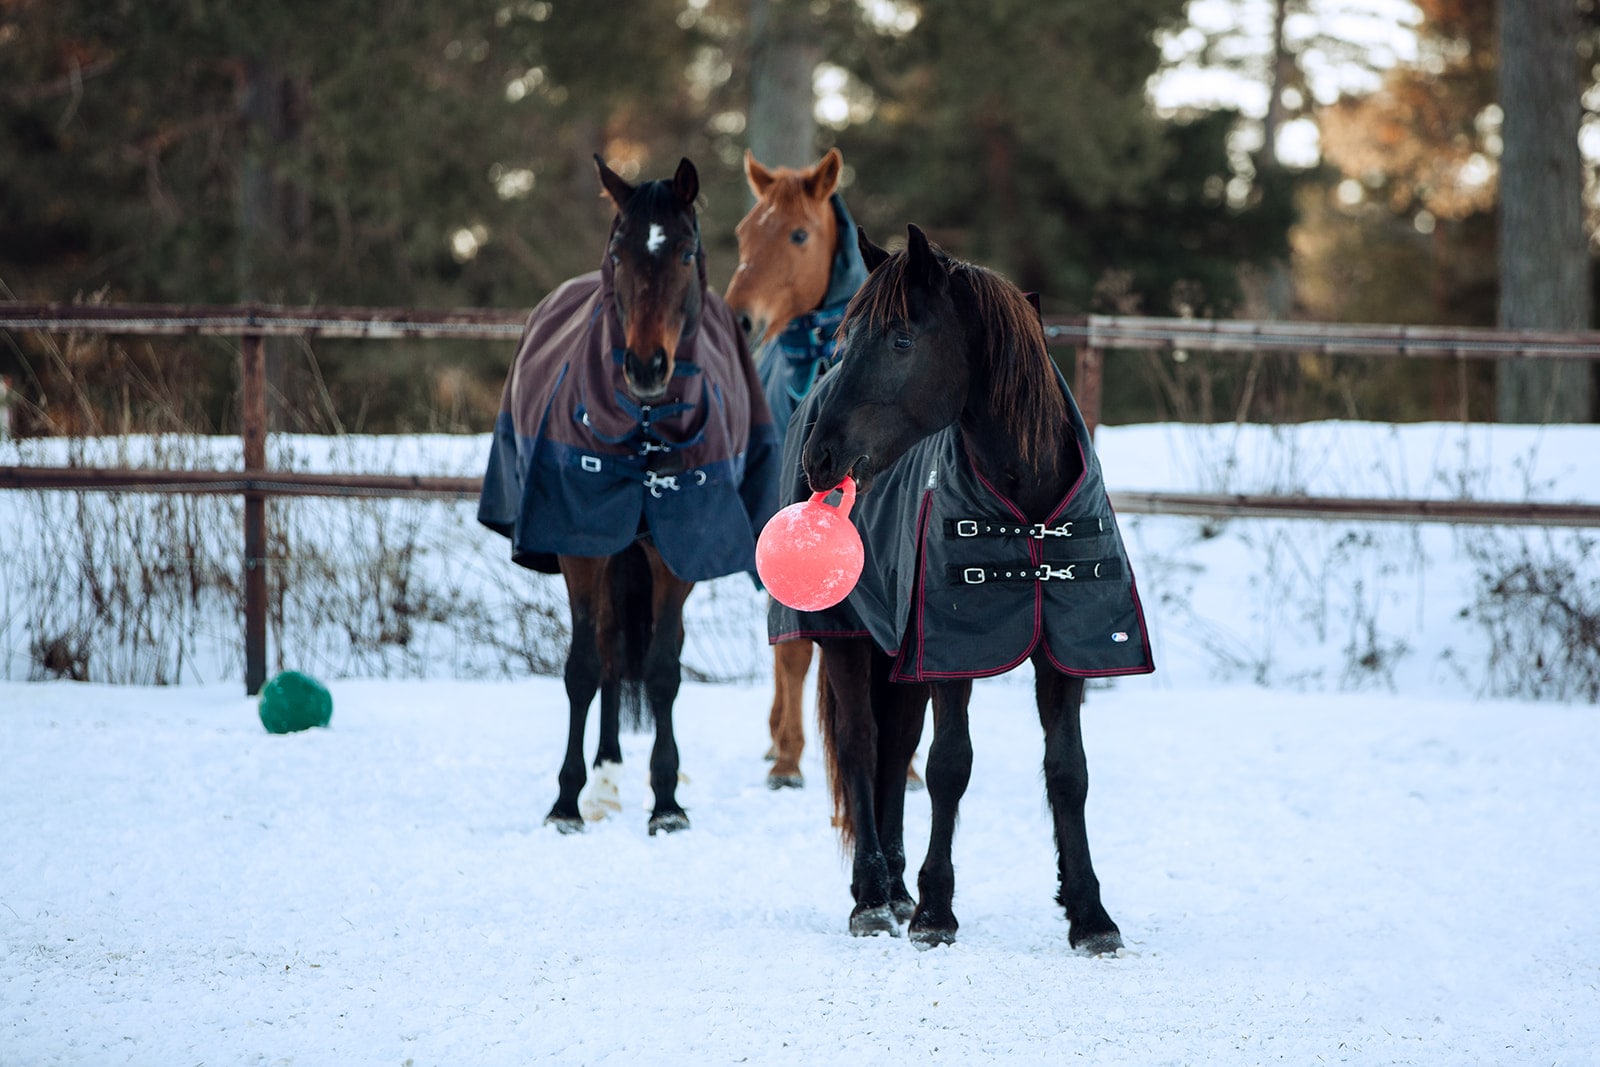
[902,341]
[798,237]
[615,259]
[688,257]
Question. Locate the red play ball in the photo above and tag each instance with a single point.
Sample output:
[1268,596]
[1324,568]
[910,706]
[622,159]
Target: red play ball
[809,554]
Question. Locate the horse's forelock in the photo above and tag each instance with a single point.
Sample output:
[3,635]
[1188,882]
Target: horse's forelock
[881,298]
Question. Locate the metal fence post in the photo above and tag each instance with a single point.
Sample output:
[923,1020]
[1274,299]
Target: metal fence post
[253,430]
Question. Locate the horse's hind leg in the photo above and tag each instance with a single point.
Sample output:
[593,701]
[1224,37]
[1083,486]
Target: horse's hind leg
[1066,779]
[948,771]
[790,661]
[663,674]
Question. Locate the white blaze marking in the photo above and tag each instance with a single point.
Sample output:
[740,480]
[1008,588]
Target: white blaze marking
[658,237]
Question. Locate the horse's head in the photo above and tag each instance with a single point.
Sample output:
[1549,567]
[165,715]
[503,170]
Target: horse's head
[654,254]
[786,245]
[904,369]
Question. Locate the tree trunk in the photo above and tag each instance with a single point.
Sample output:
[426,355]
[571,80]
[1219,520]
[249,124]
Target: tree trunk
[1544,255]
[274,209]
[785,50]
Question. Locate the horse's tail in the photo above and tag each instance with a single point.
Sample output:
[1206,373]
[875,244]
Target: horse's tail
[832,732]
[631,608]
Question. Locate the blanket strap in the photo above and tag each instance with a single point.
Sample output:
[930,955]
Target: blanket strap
[1081,530]
[1083,570]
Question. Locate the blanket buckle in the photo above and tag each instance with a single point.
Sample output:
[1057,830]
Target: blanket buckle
[657,482]
[590,463]
[1047,572]
[966,527]
[1040,531]
[973,576]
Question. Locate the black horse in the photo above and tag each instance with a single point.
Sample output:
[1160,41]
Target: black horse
[989,542]
[635,453]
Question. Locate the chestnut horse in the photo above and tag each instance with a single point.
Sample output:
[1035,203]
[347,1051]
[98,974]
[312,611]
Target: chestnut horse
[990,542]
[634,452]
[789,291]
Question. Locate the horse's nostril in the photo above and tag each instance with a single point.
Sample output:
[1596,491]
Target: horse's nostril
[745,322]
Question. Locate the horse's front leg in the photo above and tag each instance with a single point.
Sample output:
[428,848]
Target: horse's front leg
[947,773]
[899,710]
[1066,780]
[850,734]
[663,675]
[582,675]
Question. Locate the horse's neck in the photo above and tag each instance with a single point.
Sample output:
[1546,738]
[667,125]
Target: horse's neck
[1036,484]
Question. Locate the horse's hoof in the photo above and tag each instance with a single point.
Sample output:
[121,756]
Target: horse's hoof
[914,782]
[927,937]
[567,824]
[785,781]
[772,754]
[869,922]
[903,909]
[1103,944]
[668,822]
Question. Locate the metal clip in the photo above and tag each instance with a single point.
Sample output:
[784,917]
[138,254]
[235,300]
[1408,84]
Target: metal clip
[590,463]
[650,446]
[966,527]
[1047,572]
[656,482]
[973,576]
[1040,531]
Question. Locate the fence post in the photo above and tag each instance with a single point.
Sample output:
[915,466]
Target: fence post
[253,430]
[1086,386]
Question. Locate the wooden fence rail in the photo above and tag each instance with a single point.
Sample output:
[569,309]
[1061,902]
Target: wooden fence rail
[1090,336]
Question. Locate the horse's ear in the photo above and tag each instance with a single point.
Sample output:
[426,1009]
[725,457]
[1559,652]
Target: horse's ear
[686,182]
[823,178]
[871,254]
[618,190]
[758,176]
[921,264]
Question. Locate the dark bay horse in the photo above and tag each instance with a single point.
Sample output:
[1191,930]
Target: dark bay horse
[634,452]
[798,268]
[989,542]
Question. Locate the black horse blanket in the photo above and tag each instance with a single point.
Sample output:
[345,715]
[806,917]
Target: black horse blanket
[790,363]
[577,467]
[957,584]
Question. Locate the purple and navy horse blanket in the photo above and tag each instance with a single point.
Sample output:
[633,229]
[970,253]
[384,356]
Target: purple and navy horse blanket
[578,467]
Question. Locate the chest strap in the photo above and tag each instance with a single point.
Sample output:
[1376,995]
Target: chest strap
[1083,570]
[1082,529]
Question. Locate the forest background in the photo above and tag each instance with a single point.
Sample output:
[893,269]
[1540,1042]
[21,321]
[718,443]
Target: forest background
[1332,160]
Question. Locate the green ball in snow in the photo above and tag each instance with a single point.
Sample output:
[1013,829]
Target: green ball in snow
[293,701]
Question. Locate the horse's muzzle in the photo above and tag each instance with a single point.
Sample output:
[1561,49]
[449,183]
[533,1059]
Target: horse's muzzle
[647,378]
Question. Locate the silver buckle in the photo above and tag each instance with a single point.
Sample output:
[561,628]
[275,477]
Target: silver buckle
[1040,531]
[973,576]
[1047,572]
[966,527]
[590,463]
[656,482]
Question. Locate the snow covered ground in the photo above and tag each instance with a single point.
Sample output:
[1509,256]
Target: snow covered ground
[1301,879]
[1324,837]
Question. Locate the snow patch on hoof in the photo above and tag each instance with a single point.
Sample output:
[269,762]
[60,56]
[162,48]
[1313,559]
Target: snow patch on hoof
[869,922]
[1102,946]
[668,822]
[602,795]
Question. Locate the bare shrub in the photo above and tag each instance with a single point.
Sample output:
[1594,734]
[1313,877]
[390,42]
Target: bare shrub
[1538,599]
